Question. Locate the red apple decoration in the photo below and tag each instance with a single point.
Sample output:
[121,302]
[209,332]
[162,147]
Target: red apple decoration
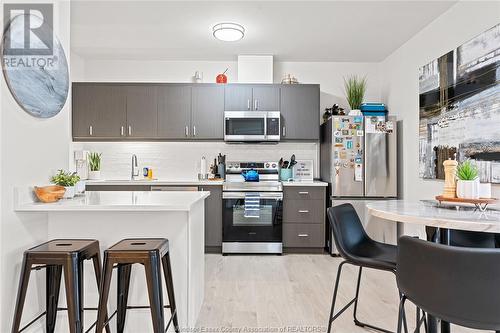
[221,78]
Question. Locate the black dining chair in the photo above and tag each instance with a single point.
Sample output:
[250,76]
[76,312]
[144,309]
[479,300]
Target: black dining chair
[457,284]
[357,248]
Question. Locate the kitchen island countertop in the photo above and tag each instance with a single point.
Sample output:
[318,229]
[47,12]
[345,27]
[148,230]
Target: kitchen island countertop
[119,201]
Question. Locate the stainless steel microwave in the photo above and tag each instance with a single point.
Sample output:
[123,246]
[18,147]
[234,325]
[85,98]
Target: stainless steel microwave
[253,126]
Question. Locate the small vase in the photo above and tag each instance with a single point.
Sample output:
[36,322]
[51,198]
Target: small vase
[468,189]
[70,192]
[95,175]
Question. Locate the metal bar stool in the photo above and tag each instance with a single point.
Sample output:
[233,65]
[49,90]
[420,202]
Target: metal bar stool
[152,253]
[57,256]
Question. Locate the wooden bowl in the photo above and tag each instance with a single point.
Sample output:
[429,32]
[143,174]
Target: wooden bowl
[49,193]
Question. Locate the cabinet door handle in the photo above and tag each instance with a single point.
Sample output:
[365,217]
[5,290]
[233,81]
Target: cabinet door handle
[303,235]
[284,130]
[122,131]
[129,130]
[248,104]
[186,131]
[256,104]
[91,131]
[303,193]
[194,130]
[304,211]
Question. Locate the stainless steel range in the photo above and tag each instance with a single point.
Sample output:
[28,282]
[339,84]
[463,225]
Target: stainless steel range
[252,208]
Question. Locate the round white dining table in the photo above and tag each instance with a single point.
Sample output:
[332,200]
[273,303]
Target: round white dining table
[432,214]
[438,220]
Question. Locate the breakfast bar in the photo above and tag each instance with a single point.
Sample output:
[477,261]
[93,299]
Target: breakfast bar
[112,216]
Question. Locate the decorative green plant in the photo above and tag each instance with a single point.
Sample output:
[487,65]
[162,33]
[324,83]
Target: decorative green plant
[66,179]
[467,170]
[95,161]
[355,88]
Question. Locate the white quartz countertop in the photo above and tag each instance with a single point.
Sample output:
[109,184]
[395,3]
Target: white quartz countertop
[155,182]
[160,182]
[429,214]
[119,201]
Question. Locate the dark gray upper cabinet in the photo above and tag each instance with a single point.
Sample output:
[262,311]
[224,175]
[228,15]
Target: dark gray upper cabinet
[238,97]
[300,112]
[207,117]
[174,111]
[99,110]
[183,111]
[142,111]
[266,98]
[248,97]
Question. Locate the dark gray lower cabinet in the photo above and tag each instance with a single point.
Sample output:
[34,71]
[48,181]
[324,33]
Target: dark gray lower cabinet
[213,218]
[118,188]
[304,217]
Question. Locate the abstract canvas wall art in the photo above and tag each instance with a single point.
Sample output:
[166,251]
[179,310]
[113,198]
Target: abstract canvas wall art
[38,82]
[460,108]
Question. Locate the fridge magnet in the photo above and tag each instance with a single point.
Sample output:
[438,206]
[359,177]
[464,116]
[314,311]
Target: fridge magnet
[360,133]
[339,140]
[358,173]
[358,160]
[337,133]
[345,132]
[348,144]
[358,119]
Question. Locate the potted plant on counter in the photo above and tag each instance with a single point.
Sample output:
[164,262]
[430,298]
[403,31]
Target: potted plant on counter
[68,180]
[468,180]
[95,165]
[355,88]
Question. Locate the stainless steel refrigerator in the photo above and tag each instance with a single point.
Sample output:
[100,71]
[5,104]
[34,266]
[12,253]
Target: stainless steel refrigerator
[359,161]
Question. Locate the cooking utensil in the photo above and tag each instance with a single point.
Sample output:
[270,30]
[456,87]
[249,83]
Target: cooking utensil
[280,163]
[292,162]
[285,165]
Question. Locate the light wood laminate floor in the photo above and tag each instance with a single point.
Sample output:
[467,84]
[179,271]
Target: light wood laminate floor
[266,293]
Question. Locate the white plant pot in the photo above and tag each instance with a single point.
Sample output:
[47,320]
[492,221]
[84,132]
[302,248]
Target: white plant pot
[70,192]
[468,189]
[95,175]
[80,187]
[355,112]
[485,190]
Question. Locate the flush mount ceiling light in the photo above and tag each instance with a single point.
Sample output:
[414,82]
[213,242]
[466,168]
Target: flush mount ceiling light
[228,32]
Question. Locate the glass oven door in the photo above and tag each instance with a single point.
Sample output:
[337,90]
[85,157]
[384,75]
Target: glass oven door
[252,216]
[245,126]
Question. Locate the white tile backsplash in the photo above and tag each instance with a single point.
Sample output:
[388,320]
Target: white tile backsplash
[181,160]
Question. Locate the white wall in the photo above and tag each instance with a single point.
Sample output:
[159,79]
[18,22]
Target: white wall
[400,80]
[31,149]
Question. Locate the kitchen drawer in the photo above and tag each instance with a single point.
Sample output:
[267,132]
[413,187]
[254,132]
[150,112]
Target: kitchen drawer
[303,235]
[303,211]
[304,193]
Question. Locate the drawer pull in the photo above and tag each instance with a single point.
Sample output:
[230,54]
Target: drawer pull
[303,211]
[304,193]
[303,235]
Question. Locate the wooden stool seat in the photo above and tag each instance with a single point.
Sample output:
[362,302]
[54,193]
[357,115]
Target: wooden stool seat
[141,245]
[56,256]
[154,255]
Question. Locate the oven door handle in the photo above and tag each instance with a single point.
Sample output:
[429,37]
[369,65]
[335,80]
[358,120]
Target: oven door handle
[262,195]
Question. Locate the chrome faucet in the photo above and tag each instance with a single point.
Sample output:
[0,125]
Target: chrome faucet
[135,169]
